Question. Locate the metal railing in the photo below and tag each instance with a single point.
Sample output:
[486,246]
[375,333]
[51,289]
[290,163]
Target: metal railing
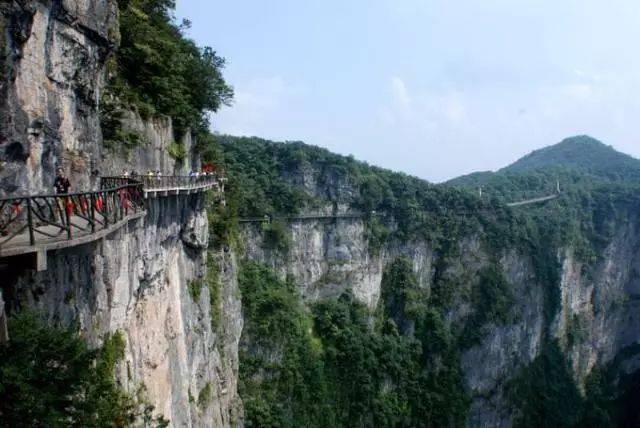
[165,182]
[117,181]
[177,182]
[30,220]
[47,219]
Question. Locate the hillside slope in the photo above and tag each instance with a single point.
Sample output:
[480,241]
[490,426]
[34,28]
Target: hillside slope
[580,166]
[581,160]
[432,295]
[582,153]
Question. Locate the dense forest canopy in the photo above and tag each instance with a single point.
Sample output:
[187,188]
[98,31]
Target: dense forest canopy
[576,163]
[157,70]
[341,353]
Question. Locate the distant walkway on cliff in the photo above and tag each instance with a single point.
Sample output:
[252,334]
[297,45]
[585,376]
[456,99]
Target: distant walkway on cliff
[40,223]
[533,201]
[319,216]
[351,215]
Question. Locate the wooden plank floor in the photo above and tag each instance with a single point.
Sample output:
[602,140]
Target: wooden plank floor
[80,234]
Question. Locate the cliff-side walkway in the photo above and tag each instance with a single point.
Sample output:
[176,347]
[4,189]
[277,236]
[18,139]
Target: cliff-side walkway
[40,223]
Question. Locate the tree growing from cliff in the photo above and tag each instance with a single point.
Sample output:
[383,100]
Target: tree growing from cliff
[159,71]
[50,378]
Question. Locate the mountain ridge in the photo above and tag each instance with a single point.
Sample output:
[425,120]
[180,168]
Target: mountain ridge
[580,157]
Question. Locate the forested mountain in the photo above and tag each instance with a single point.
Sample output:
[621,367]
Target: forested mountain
[576,163]
[316,290]
[581,153]
[401,216]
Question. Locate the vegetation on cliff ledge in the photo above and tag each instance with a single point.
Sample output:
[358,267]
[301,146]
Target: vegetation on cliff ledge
[330,366]
[157,70]
[49,377]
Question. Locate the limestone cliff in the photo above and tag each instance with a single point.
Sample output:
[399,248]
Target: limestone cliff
[597,318]
[137,280]
[148,280]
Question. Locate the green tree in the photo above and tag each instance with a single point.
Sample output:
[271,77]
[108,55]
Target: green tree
[49,378]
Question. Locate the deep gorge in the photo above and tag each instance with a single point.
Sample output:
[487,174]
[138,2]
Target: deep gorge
[430,306]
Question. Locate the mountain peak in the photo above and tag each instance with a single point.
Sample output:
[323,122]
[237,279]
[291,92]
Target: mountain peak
[579,152]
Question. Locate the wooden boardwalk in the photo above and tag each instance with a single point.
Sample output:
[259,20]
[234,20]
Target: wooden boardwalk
[41,223]
[57,238]
[303,217]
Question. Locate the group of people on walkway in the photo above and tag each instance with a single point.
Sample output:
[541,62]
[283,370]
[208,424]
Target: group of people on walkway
[133,173]
[62,185]
[157,173]
[66,205]
[196,174]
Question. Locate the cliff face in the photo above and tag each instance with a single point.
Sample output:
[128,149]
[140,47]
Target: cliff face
[156,135]
[597,318]
[153,279]
[137,280]
[53,55]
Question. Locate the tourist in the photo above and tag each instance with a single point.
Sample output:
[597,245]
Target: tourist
[61,183]
[125,173]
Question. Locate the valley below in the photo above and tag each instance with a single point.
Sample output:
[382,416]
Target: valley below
[307,289]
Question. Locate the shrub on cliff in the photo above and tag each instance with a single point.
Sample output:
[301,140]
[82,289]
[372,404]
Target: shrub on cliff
[157,70]
[49,377]
[332,366]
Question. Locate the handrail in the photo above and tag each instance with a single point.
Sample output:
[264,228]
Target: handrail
[43,195]
[533,201]
[167,182]
[318,216]
[44,218]
[48,219]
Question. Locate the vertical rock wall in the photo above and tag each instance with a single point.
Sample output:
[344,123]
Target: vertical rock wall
[53,55]
[156,136]
[137,281]
[52,74]
[598,315]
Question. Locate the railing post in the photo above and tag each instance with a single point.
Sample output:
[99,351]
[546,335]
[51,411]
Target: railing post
[105,209]
[32,238]
[67,216]
[92,212]
[121,199]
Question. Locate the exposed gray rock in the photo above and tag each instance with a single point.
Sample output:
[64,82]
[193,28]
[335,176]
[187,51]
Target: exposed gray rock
[137,281]
[53,73]
[152,154]
[52,76]
[4,333]
[327,258]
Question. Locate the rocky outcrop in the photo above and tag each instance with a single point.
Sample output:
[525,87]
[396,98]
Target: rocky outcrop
[4,333]
[156,136]
[53,57]
[52,75]
[138,281]
[598,316]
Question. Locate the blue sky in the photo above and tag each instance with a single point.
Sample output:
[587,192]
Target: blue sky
[432,88]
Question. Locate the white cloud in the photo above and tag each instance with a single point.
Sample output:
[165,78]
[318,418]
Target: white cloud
[257,101]
[401,101]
